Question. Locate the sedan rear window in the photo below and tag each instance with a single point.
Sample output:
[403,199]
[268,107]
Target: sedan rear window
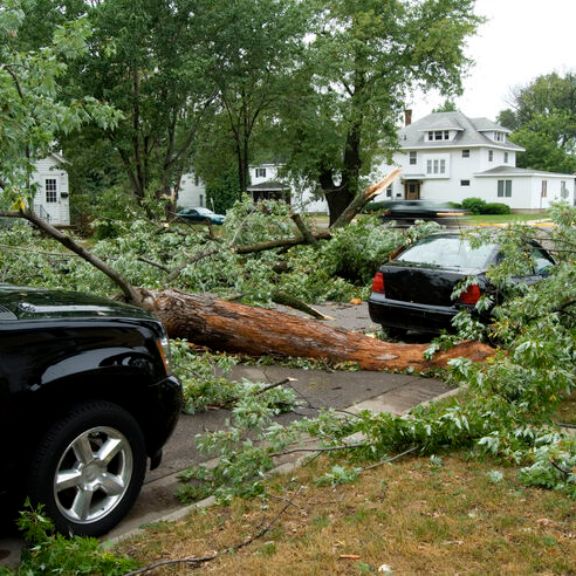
[449,252]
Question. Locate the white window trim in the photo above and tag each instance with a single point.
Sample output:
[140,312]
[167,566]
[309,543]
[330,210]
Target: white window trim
[438,166]
[50,194]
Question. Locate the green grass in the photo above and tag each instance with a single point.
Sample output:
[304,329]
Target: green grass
[488,219]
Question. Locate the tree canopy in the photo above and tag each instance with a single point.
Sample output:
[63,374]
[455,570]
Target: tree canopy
[202,83]
[33,112]
[543,118]
[362,61]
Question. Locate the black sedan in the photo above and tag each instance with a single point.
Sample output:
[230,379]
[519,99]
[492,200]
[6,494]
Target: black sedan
[407,212]
[414,290]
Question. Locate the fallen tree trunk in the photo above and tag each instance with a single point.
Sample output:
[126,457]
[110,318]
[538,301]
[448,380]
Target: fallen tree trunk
[232,327]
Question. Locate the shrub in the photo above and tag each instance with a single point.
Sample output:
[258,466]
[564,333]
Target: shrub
[496,208]
[474,205]
[376,206]
[479,206]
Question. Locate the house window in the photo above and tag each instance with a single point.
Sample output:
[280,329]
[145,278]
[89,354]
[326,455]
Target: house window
[465,153]
[197,181]
[544,193]
[438,135]
[505,157]
[436,166]
[413,158]
[201,199]
[260,172]
[499,136]
[490,155]
[51,190]
[464,182]
[389,191]
[504,188]
[564,190]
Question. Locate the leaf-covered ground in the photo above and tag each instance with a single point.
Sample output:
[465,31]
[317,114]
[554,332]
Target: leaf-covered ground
[441,515]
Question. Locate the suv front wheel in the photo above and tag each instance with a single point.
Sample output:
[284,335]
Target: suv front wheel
[88,469]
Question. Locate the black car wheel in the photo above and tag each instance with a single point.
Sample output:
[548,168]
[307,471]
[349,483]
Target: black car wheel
[89,468]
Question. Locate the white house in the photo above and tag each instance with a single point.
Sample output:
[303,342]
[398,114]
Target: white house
[192,191]
[267,183]
[447,156]
[52,199]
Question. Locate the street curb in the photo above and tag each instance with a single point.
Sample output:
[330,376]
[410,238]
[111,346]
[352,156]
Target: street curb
[281,469]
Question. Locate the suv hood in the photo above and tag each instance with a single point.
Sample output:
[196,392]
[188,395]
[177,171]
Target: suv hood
[24,303]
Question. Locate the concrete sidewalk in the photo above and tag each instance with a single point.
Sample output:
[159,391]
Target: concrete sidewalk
[347,391]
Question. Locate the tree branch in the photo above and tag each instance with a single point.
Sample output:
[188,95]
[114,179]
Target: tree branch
[196,560]
[362,199]
[129,292]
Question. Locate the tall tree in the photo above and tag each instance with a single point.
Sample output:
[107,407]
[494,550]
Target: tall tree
[543,117]
[254,46]
[364,58]
[146,59]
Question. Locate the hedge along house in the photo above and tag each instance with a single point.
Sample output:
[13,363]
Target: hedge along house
[52,199]
[448,157]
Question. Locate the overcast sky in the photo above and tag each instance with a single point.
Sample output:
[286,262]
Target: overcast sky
[521,39]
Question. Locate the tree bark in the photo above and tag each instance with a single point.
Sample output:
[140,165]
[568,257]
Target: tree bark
[362,199]
[232,327]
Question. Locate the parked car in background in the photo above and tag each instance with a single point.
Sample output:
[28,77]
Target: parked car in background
[414,290]
[407,212]
[86,399]
[200,216]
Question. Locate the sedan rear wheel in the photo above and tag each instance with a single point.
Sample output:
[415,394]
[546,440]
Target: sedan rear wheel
[89,468]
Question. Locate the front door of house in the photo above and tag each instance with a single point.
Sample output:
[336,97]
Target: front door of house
[412,190]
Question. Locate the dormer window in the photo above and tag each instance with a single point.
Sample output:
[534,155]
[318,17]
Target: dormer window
[260,173]
[438,135]
[499,136]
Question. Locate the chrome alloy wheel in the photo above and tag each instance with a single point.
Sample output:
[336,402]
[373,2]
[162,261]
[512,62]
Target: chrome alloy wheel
[93,475]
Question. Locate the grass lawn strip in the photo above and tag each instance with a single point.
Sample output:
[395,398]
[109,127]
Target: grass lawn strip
[419,516]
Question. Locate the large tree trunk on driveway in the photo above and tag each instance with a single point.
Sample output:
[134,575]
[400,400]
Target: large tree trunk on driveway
[233,327]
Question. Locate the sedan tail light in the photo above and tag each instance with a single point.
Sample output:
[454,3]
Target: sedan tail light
[378,283]
[471,295]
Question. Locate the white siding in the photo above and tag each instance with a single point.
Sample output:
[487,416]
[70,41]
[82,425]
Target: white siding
[57,210]
[192,192]
[526,188]
[302,197]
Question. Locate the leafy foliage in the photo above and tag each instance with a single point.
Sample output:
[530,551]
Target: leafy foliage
[244,448]
[480,206]
[146,254]
[34,111]
[54,554]
[507,408]
[543,119]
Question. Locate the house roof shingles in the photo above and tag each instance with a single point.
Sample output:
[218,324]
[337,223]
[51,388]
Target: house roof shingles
[470,132]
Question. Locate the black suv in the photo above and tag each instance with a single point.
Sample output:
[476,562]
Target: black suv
[85,399]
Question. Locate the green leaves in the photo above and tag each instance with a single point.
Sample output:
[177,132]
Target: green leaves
[33,110]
